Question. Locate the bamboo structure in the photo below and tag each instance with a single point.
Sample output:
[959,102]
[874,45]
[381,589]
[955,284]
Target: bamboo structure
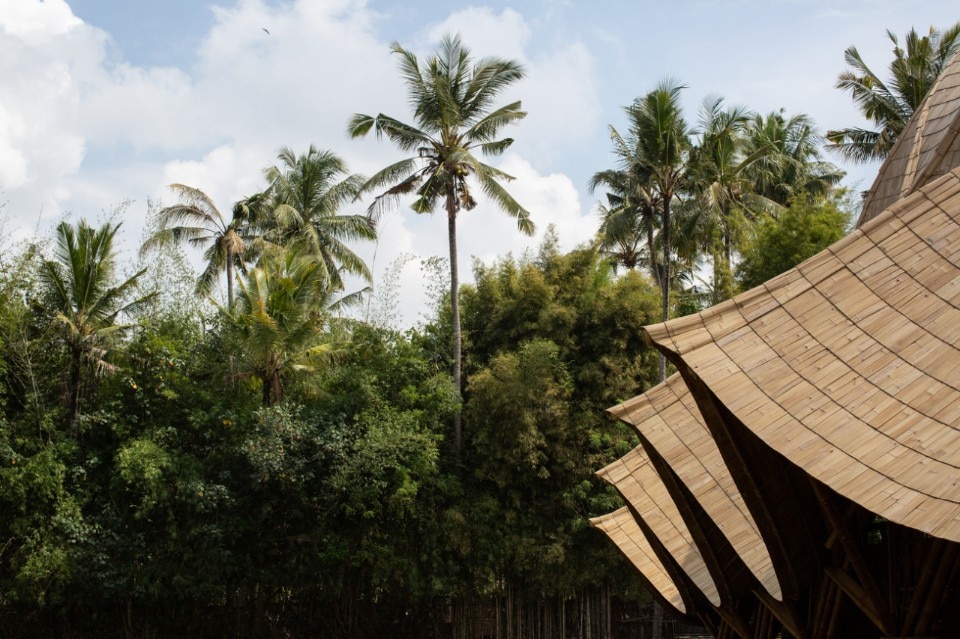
[800,475]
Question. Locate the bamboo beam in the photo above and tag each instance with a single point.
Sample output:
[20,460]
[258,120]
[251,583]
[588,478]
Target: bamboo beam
[862,600]
[870,592]
[785,612]
[931,561]
[835,613]
[937,591]
[825,596]
[735,622]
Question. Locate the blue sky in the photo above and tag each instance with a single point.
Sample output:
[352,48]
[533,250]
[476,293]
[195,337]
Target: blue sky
[107,101]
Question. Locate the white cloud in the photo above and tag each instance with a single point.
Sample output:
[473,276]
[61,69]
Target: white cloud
[37,22]
[227,174]
[485,33]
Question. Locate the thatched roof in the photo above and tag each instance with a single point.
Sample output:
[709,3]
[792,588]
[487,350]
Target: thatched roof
[667,417]
[623,529]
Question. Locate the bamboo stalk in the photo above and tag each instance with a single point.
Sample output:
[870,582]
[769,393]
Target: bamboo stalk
[937,590]
[934,552]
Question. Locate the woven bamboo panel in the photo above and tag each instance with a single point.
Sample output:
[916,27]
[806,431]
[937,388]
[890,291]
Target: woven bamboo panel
[928,147]
[622,529]
[638,482]
[848,364]
[667,416]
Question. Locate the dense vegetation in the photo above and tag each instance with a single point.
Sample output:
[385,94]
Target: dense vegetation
[275,466]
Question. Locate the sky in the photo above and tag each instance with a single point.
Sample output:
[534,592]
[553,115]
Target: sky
[103,103]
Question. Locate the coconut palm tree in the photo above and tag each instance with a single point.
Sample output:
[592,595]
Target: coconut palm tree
[87,303]
[890,104]
[621,234]
[197,221]
[280,319]
[454,119]
[718,167]
[630,215]
[795,167]
[305,195]
[662,143]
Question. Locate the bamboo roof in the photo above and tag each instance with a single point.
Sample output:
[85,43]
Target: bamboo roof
[928,147]
[848,364]
[641,486]
[668,418]
[624,531]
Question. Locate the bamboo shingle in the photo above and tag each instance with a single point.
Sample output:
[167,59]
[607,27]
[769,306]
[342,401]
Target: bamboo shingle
[624,531]
[672,423]
[641,486]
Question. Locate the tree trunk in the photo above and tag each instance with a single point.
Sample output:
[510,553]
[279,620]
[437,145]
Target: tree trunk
[666,276]
[73,390]
[455,309]
[229,279]
[657,278]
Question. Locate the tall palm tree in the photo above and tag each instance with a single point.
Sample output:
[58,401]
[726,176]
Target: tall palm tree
[795,167]
[657,124]
[87,303]
[197,221]
[452,99]
[280,317]
[718,166]
[890,104]
[303,200]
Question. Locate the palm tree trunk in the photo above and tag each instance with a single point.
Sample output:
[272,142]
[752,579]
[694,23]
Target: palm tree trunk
[666,277]
[657,277]
[229,279]
[455,309]
[73,391]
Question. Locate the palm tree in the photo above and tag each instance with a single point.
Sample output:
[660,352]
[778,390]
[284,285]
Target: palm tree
[197,221]
[280,316]
[621,234]
[631,212]
[452,100]
[890,104]
[718,166]
[795,167]
[86,302]
[662,142]
[304,197]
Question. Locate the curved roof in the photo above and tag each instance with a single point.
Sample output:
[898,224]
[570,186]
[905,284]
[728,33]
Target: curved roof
[638,482]
[624,531]
[672,424]
[928,147]
[849,365]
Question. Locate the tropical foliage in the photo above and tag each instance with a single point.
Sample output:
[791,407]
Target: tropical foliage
[87,304]
[889,104]
[452,99]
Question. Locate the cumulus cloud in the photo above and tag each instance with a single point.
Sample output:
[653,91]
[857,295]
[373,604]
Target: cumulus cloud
[43,48]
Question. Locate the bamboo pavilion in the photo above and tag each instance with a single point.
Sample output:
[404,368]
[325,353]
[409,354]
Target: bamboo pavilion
[799,476]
